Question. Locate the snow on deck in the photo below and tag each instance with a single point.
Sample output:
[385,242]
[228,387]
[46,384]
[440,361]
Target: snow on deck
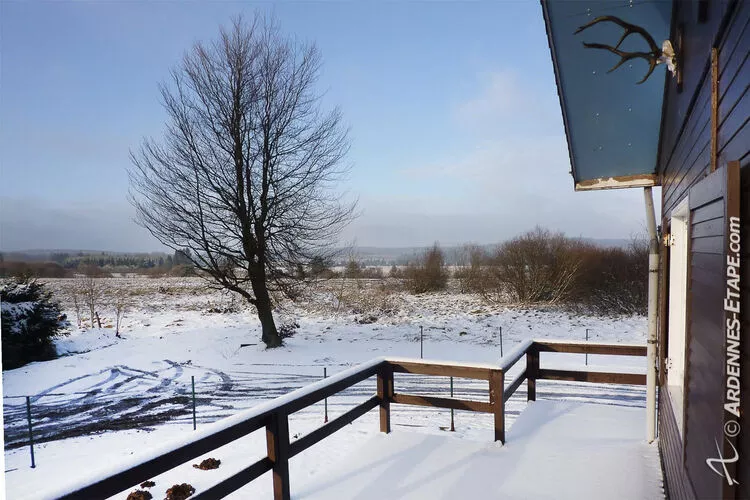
[555,449]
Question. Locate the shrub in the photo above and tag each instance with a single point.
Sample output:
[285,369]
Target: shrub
[538,266]
[614,280]
[38,269]
[428,274]
[30,321]
[320,267]
[472,273]
[373,273]
[353,269]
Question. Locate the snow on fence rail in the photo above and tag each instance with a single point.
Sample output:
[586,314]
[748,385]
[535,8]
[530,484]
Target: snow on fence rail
[274,415]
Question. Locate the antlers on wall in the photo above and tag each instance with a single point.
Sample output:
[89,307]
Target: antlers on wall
[653,57]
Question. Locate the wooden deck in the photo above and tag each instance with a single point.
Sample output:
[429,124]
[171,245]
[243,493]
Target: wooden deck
[273,416]
[560,450]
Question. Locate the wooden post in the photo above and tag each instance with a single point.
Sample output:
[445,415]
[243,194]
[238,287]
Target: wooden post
[497,385]
[277,441]
[385,393]
[532,371]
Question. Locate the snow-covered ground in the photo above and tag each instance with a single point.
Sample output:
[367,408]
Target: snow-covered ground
[558,450]
[114,398]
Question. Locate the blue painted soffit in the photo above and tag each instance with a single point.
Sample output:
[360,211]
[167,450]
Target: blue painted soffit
[612,123]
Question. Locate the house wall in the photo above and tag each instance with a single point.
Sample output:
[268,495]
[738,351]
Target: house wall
[685,161]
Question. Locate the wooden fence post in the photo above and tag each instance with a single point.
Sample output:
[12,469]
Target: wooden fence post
[532,371]
[385,393]
[497,385]
[277,441]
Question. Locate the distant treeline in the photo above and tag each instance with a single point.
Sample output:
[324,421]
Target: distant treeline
[66,264]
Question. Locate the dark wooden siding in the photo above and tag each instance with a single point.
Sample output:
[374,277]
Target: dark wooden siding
[734,82]
[685,161]
[743,467]
[677,483]
[686,135]
[685,152]
[704,398]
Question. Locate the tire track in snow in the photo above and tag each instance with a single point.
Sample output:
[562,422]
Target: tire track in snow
[131,398]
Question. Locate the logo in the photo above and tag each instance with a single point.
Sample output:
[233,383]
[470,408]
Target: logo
[721,469]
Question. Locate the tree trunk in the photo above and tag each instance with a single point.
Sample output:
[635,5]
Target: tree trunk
[270,335]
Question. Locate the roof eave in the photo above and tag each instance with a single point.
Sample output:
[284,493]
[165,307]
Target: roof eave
[550,44]
[626,181]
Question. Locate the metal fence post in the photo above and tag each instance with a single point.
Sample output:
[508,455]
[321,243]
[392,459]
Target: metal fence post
[31,434]
[587,339]
[325,401]
[453,427]
[192,378]
[421,342]
[501,341]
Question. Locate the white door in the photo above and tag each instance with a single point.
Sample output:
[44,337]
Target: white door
[678,267]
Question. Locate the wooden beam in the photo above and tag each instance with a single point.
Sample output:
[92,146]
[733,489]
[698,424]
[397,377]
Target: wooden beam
[237,481]
[497,382]
[134,475]
[507,362]
[591,348]
[334,425]
[277,442]
[328,390]
[714,108]
[441,369]
[438,402]
[732,441]
[594,377]
[385,396]
[532,372]
[513,387]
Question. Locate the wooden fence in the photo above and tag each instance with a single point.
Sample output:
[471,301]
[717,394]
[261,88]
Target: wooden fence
[274,417]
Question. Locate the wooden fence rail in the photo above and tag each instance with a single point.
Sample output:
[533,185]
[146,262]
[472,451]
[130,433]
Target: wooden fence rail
[274,416]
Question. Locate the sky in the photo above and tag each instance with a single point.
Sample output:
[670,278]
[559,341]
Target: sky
[455,125]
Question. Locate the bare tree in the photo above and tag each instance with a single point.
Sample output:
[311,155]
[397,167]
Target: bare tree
[121,303]
[75,293]
[245,175]
[91,289]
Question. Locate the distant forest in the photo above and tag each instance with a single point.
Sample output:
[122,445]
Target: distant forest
[61,264]
[67,263]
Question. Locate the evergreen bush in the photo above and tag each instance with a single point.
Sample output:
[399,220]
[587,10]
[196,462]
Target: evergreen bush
[30,321]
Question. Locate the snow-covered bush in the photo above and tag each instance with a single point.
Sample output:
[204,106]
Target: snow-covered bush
[30,320]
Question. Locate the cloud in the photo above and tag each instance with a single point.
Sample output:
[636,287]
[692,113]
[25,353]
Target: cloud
[510,174]
[500,96]
[506,102]
[492,192]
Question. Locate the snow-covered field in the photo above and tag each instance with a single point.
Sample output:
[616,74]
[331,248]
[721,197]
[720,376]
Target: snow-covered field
[109,399]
